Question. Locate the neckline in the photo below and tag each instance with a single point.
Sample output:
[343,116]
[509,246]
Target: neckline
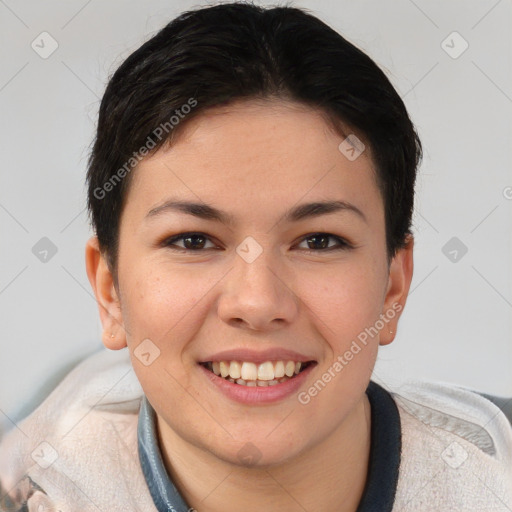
[383,467]
[385,452]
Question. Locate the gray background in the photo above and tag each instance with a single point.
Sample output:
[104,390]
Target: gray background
[457,324]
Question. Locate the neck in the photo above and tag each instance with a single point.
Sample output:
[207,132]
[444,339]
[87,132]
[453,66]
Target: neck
[329,476]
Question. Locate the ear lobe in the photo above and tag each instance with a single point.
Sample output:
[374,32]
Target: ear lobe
[399,282]
[109,306]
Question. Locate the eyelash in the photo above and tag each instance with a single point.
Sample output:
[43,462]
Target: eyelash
[342,243]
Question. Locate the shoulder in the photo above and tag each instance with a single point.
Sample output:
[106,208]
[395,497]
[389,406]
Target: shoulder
[103,381]
[456,449]
[84,432]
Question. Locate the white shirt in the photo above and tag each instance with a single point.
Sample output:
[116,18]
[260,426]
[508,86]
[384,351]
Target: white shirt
[78,451]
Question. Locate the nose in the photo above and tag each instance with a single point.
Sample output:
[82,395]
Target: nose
[257,295]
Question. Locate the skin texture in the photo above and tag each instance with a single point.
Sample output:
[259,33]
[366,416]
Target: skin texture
[255,160]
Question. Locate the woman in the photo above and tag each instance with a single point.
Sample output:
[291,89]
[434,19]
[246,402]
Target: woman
[251,188]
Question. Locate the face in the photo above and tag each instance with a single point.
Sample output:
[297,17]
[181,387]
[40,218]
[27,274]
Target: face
[257,282]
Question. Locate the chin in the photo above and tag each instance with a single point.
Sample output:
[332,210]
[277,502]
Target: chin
[258,452]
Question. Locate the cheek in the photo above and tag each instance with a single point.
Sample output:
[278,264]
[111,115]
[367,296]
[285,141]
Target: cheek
[346,300]
[344,304]
[166,304]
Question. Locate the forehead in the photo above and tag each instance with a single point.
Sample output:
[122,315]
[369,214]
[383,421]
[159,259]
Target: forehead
[255,155]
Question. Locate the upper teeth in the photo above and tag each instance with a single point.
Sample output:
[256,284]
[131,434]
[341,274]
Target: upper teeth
[269,370]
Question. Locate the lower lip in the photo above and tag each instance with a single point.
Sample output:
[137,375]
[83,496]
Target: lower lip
[258,394]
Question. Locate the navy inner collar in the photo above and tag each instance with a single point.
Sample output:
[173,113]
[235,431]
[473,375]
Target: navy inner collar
[385,452]
[383,468]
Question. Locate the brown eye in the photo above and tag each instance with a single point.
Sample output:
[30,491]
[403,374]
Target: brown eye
[191,242]
[320,242]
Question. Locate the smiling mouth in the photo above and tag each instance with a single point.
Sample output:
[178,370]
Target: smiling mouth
[269,373]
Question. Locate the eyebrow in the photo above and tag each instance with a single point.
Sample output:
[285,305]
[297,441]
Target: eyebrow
[301,212]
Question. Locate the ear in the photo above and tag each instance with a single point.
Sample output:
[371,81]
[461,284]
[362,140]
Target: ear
[106,294]
[399,282]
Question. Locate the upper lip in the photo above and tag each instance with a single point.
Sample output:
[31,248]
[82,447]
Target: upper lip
[257,356]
